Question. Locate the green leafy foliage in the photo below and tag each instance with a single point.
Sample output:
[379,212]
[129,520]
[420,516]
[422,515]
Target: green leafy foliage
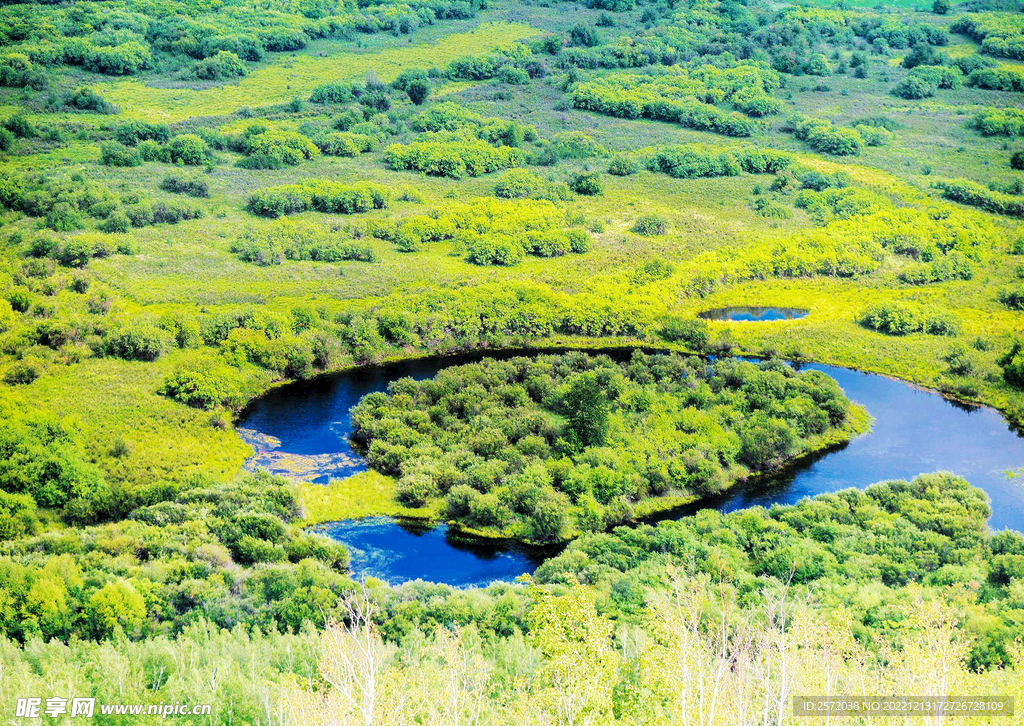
[452,158]
[285,239]
[580,434]
[321,195]
[904,319]
[967,192]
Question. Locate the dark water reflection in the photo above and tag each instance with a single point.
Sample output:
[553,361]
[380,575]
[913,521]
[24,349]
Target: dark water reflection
[915,432]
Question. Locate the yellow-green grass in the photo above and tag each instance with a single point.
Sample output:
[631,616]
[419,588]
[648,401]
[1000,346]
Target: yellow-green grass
[297,75]
[111,402]
[366,494]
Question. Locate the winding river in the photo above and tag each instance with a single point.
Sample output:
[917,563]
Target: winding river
[302,430]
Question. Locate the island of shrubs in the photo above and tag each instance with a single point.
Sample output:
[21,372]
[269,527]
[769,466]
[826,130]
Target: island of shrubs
[321,195]
[286,239]
[452,156]
[899,318]
[492,231]
[544,448]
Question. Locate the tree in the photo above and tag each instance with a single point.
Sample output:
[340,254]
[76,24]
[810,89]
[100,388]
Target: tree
[116,605]
[576,679]
[587,411]
[941,7]
[1013,365]
[418,90]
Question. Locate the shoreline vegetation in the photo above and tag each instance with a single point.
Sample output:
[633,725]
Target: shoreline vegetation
[370,493]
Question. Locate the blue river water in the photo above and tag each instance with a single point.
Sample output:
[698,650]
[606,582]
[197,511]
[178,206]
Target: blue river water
[746,314]
[305,426]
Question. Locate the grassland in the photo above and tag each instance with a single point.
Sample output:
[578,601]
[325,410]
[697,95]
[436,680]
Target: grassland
[189,266]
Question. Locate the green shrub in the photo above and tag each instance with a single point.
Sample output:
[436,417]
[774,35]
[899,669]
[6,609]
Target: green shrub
[999,122]
[203,384]
[690,331]
[650,225]
[892,318]
[320,195]
[332,93]
[587,183]
[221,66]
[674,98]
[1013,365]
[134,342]
[826,137]
[495,251]
[22,372]
[897,318]
[113,153]
[623,165]
[187,149]
[997,79]
[191,186]
[343,143]
[513,76]
[1013,297]
[576,145]
[274,149]
[968,192]
[85,99]
[285,239]
[418,90]
[455,159]
[132,132]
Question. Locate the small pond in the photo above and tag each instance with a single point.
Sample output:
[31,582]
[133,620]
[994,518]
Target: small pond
[302,429]
[753,314]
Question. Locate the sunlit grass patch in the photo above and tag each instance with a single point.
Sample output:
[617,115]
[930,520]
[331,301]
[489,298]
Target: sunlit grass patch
[296,76]
[366,494]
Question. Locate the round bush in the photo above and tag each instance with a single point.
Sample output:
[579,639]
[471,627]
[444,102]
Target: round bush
[650,225]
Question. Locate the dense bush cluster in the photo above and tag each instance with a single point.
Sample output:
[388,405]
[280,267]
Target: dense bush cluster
[897,318]
[524,184]
[65,203]
[271,244]
[687,161]
[124,38]
[923,81]
[452,117]
[826,137]
[452,156]
[321,195]
[967,192]
[999,33]
[492,231]
[999,122]
[542,448]
[82,586]
[954,266]
[997,79]
[225,65]
[1013,297]
[1012,364]
[513,56]
[266,148]
[674,99]
[346,143]
[192,186]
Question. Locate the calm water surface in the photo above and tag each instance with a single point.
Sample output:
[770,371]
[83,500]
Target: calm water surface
[303,428]
[753,314]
